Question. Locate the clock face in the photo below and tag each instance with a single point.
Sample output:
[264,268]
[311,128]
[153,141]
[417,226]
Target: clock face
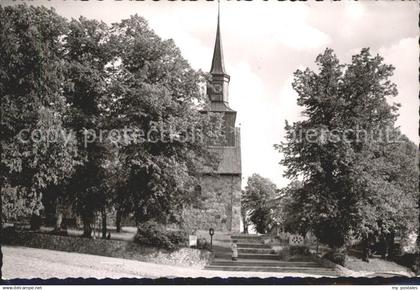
[218,88]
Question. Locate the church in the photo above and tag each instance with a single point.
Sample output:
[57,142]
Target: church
[220,190]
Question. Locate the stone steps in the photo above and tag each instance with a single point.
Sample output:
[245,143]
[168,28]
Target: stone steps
[282,269]
[255,256]
[258,256]
[263,263]
[253,245]
[242,238]
[255,251]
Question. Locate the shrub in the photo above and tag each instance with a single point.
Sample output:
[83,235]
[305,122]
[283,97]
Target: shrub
[338,257]
[178,238]
[8,235]
[36,222]
[203,244]
[298,250]
[284,255]
[153,234]
[292,253]
[409,260]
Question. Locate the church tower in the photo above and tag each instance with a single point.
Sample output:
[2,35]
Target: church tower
[218,88]
[224,185]
[220,190]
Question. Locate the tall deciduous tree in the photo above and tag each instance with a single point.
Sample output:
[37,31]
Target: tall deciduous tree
[92,78]
[88,52]
[157,95]
[291,211]
[35,149]
[346,151]
[256,202]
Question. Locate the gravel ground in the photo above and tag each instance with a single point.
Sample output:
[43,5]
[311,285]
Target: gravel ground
[22,262]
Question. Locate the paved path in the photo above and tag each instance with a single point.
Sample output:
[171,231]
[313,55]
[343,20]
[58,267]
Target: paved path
[22,262]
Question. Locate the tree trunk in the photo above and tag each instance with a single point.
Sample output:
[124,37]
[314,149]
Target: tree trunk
[418,242]
[365,249]
[389,244]
[118,221]
[87,225]
[103,214]
[60,227]
[384,246]
[35,222]
[50,213]
[245,227]
[1,229]
[244,220]
[58,221]
[418,235]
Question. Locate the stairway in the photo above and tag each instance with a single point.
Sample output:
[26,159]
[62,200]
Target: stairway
[255,256]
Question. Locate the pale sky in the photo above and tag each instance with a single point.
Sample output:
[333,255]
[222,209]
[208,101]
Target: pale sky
[264,42]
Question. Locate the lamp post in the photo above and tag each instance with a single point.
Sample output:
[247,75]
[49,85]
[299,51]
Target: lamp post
[211,233]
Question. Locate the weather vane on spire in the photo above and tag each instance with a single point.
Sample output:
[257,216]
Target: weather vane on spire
[218,10]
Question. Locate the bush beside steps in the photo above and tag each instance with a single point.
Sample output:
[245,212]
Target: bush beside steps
[156,235]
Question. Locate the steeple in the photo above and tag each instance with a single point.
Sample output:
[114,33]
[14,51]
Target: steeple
[218,87]
[218,65]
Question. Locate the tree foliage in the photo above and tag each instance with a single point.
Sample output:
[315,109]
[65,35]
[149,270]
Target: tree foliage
[359,173]
[161,172]
[98,81]
[87,52]
[257,202]
[32,81]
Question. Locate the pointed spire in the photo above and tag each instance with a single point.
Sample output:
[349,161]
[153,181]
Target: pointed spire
[217,65]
